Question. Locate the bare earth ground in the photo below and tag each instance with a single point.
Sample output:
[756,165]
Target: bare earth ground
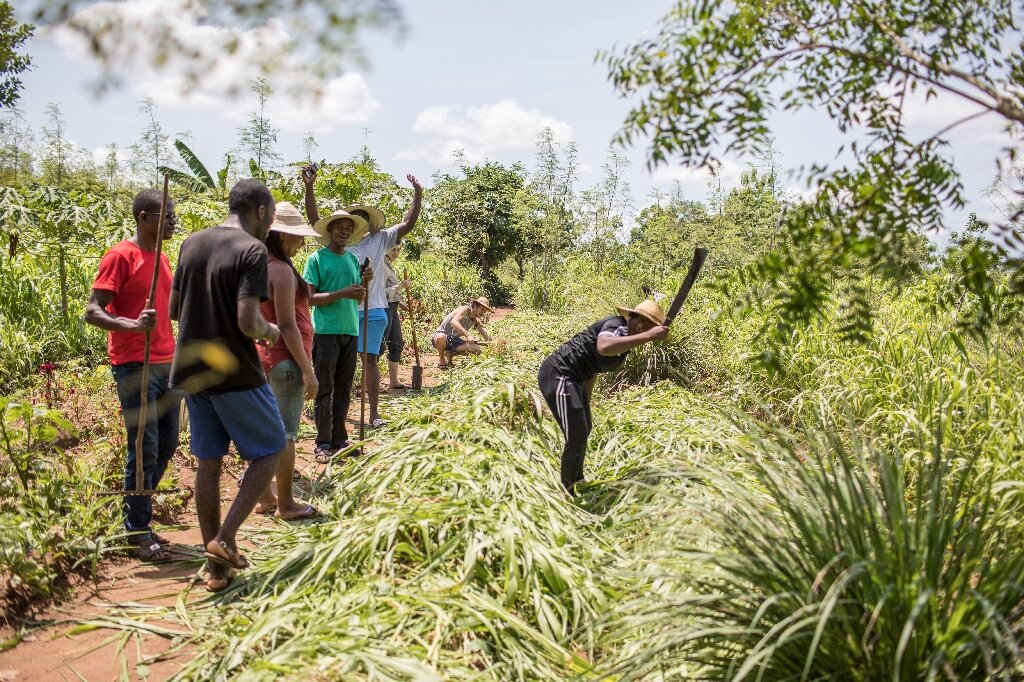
[61,649]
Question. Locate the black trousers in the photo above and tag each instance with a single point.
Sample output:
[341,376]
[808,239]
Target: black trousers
[334,363]
[393,342]
[570,404]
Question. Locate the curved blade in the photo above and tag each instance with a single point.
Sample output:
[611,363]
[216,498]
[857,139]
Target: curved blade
[699,256]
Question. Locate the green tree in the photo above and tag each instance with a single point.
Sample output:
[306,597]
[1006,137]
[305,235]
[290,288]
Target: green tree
[16,147]
[544,213]
[257,137]
[12,37]
[605,206]
[111,170]
[150,151]
[56,153]
[715,72]
[473,218]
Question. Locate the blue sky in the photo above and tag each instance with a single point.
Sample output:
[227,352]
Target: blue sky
[479,76]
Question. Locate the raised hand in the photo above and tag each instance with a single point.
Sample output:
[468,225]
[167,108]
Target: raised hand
[415,183]
[309,174]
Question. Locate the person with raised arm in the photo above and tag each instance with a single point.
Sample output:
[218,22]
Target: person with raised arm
[377,243]
[336,287]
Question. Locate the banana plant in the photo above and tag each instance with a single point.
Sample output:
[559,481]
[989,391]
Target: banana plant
[201,181]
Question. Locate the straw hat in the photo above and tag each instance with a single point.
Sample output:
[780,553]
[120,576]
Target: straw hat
[376,215]
[358,232]
[647,309]
[484,302]
[289,220]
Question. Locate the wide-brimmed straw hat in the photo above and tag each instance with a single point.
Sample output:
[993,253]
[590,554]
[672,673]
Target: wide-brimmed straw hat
[483,301]
[376,215]
[647,309]
[358,232]
[288,220]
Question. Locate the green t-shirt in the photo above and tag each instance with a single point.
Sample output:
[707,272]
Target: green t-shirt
[329,271]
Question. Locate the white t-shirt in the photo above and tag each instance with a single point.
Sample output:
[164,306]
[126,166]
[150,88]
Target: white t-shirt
[374,247]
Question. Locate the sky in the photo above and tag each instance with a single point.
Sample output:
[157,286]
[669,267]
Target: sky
[471,75]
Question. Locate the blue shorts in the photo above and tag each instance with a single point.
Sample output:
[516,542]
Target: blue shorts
[286,382]
[249,418]
[378,323]
[452,342]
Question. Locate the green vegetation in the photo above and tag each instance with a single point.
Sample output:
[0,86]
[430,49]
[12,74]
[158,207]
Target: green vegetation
[817,477]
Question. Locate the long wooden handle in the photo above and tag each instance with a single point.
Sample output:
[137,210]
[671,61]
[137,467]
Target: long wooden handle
[140,480]
[366,345]
[412,322]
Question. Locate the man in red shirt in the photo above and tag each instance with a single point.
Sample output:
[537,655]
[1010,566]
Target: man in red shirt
[117,304]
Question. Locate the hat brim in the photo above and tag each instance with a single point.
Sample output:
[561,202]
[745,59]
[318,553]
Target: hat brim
[485,307]
[294,230]
[359,232]
[377,218]
[626,312]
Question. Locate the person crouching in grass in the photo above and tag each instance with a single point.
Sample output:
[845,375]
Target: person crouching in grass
[567,376]
[452,337]
[288,363]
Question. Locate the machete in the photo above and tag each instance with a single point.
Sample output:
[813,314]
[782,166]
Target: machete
[699,256]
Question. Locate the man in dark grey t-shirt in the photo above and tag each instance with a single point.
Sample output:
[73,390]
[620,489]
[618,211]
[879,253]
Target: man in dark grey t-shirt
[218,286]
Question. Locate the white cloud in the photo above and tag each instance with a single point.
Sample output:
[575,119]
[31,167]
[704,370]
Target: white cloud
[696,183]
[99,155]
[228,60]
[482,131]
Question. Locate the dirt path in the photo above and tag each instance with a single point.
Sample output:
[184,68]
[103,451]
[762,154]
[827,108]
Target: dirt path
[60,650]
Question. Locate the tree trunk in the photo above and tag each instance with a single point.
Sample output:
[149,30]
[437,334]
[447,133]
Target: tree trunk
[62,265]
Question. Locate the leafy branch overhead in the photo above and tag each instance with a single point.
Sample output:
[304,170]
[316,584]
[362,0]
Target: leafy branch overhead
[715,74]
[192,37]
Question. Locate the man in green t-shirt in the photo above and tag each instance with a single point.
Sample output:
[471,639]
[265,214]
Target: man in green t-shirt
[335,290]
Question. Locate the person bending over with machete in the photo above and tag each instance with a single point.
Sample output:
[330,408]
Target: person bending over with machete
[567,376]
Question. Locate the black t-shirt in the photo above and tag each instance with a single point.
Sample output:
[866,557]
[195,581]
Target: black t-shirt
[578,358]
[216,267]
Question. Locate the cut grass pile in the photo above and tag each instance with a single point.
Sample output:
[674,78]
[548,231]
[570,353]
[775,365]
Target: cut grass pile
[705,545]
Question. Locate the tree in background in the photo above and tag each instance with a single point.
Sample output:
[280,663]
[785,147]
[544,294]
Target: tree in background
[16,147]
[473,218]
[56,152]
[12,37]
[150,151]
[256,139]
[715,72]
[543,214]
[605,206]
[111,169]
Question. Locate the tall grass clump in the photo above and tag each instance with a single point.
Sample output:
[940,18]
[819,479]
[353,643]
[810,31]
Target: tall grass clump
[830,566]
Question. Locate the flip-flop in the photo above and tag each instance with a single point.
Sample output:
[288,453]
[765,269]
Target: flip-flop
[266,510]
[377,423]
[399,387]
[151,551]
[223,555]
[310,512]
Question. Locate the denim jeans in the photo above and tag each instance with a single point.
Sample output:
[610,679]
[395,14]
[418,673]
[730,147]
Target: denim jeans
[159,440]
[286,381]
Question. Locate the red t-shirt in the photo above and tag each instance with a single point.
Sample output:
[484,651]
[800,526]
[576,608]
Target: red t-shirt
[127,272]
[279,351]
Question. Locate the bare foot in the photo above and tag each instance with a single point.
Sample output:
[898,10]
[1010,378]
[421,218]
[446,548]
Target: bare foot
[297,513]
